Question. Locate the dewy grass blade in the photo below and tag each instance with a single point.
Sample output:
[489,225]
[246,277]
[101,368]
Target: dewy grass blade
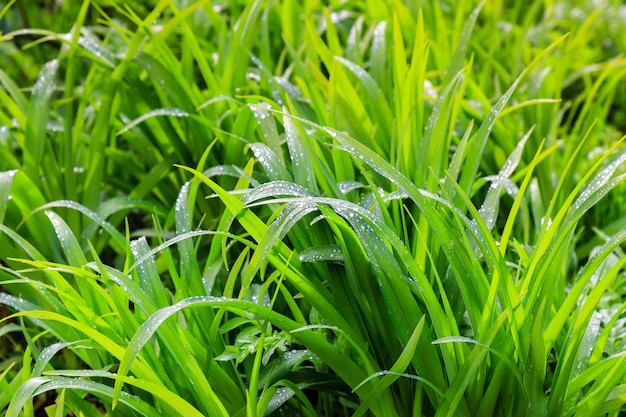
[142,336]
[344,366]
[190,270]
[477,144]
[489,209]
[267,124]
[172,112]
[387,240]
[106,343]
[582,280]
[396,370]
[37,118]
[46,355]
[453,397]
[37,386]
[552,237]
[6,179]
[98,221]
[301,163]
[270,162]
[439,113]
[288,217]
[148,274]
[257,229]
[601,389]
[379,108]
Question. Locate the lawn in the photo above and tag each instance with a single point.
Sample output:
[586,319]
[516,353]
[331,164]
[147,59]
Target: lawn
[313,208]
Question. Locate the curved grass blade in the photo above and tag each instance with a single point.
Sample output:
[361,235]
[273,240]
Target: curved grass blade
[118,238]
[400,366]
[172,112]
[37,386]
[477,144]
[271,163]
[349,371]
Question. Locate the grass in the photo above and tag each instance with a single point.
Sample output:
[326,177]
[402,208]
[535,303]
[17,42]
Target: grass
[312,208]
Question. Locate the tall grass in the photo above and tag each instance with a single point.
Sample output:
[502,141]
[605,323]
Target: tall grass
[312,208]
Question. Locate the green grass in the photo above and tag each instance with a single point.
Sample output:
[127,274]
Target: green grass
[312,208]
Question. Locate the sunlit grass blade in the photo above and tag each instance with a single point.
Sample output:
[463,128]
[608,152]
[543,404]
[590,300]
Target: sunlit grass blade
[477,143]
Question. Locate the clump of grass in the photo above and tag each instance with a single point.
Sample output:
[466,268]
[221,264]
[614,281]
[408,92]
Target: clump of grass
[299,209]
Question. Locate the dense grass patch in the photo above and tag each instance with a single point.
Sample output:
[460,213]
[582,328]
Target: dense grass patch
[312,208]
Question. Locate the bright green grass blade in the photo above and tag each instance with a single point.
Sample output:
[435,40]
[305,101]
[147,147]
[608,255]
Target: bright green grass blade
[118,239]
[396,370]
[601,389]
[301,163]
[345,367]
[242,37]
[46,355]
[17,97]
[60,404]
[37,118]
[438,118]
[392,281]
[453,396]
[148,273]
[288,217]
[597,189]
[119,296]
[274,397]
[267,125]
[256,228]
[191,42]
[172,112]
[454,168]
[535,199]
[131,288]
[40,385]
[180,354]
[102,127]
[147,329]
[326,253]
[490,207]
[190,270]
[377,103]
[535,369]
[152,178]
[69,147]
[27,197]
[75,257]
[460,52]
[477,144]
[106,343]
[6,179]
[271,163]
[562,227]
[398,300]
[583,333]
[281,366]
[378,51]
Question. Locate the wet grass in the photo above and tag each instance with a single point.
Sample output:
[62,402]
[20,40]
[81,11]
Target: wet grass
[312,208]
